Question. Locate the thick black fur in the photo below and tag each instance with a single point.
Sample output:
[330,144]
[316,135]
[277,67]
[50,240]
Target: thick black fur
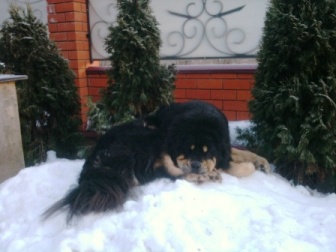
[127,155]
[130,154]
[194,123]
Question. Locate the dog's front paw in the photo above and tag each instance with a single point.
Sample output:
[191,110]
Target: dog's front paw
[214,176]
[242,156]
[197,178]
[262,164]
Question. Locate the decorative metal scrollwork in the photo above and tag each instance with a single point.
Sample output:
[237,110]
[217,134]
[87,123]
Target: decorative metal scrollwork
[203,25]
[38,7]
[203,29]
[102,15]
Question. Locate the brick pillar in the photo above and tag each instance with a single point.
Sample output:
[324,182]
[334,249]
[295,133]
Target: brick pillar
[67,23]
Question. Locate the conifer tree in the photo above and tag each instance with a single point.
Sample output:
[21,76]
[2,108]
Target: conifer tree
[137,84]
[48,100]
[294,97]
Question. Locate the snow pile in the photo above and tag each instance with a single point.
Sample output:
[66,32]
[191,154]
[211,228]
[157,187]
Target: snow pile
[258,213]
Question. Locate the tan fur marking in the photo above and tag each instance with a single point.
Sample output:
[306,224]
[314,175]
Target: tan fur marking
[210,164]
[182,162]
[240,170]
[170,166]
[205,148]
[135,181]
[158,163]
[239,156]
[192,147]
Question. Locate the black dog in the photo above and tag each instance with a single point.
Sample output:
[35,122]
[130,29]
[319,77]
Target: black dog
[196,133]
[126,156]
[187,140]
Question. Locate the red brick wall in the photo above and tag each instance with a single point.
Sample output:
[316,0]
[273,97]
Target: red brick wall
[228,87]
[68,27]
[97,80]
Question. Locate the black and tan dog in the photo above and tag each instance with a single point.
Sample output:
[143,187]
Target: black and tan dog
[128,155]
[196,134]
[188,141]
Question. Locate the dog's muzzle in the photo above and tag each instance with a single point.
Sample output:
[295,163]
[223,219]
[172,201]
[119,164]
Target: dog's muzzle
[196,167]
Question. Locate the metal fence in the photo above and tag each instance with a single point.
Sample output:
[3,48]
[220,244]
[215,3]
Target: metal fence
[39,8]
[191,29]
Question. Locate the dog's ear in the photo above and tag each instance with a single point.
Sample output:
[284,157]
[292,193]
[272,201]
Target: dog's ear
[223,152]
[157,118]
[152,121]
[224,155]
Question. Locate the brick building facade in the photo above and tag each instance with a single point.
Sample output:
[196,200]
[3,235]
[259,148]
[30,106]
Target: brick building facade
[226,86]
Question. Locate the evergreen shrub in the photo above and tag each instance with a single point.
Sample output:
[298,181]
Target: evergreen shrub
[48,100]
[137,82]
[294,98]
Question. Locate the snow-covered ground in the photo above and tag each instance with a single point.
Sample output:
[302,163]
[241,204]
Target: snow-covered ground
[258,213]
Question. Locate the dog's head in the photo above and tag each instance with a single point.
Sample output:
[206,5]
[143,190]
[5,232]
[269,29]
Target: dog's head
[195,144]
[197,159]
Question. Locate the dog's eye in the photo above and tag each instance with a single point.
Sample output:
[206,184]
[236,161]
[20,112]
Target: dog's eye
[205,148]
[192,147]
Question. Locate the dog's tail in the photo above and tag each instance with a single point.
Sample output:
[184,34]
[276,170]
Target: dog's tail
[99,190]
